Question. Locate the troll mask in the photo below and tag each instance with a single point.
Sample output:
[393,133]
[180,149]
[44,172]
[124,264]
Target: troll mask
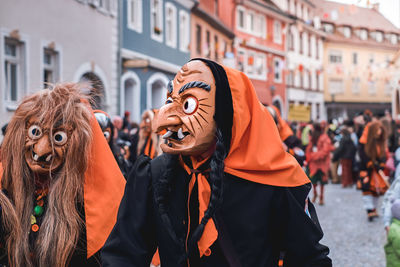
[45,145]
[187,116]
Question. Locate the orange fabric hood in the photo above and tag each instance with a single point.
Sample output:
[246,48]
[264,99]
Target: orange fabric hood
[256,153]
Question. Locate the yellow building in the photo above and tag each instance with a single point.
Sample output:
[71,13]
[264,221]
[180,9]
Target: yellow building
[359,45]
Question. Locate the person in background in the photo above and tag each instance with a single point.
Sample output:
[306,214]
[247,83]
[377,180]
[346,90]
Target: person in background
[149,142]
[392,247]
[318,160]
[373,153]
[126,121]
[345,153]
[305,135]
[117,122]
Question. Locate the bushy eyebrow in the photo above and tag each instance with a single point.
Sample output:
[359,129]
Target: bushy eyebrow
[195,84]
[170,87]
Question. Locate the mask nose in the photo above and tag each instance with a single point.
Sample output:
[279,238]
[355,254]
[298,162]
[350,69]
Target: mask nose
[167,116]
[42,150]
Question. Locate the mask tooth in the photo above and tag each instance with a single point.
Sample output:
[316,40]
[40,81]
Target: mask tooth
[168,134]
[180,134]
[48,158]
[35,157]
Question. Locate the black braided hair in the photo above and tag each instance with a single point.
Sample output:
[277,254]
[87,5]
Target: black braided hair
[223,117]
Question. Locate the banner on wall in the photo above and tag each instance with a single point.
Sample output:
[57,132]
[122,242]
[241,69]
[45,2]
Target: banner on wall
[300,113]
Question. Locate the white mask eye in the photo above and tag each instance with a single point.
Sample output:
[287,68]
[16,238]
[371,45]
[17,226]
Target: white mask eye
[34,132]
[106,134]
[169,100]
[60,138]
[190,105]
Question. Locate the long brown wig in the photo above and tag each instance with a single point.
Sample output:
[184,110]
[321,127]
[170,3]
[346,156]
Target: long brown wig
[375,146]
[62,224]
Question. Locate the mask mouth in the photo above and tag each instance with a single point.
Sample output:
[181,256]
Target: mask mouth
[42,161]
[175,135]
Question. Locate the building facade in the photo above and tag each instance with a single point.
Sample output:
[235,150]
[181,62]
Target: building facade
[259,46]
[304,66]
[357,56]
[43,44]
[211,38]
[155,41]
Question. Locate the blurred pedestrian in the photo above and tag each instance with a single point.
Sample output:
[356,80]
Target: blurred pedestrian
[126,121]
[149,142]
[3,131]
[373,154]
[345,153]
[318,160]
[392,247]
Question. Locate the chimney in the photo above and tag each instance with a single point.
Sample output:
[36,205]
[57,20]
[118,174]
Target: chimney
[375,6]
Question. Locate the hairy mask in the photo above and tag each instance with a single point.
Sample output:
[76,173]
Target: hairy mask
[187,116]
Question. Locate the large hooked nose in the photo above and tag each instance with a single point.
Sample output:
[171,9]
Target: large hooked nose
[166,116]
[42,150]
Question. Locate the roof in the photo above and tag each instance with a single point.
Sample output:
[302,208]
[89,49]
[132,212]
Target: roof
[354,16]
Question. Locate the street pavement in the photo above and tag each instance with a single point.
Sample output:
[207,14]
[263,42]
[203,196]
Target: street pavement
[353,241]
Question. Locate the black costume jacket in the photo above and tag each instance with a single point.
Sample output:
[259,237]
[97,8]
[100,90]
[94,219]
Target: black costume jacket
[255,223]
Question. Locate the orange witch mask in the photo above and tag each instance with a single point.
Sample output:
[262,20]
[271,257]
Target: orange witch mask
[187,116]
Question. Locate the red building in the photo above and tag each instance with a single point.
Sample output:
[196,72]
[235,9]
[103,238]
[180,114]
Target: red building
[260,45]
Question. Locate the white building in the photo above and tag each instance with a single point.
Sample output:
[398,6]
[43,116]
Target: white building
[304,57]
[57,41]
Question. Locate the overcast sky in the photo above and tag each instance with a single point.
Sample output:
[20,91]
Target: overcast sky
[389,8]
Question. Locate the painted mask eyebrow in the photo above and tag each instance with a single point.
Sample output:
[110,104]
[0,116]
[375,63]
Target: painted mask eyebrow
[170,87]
[195,84]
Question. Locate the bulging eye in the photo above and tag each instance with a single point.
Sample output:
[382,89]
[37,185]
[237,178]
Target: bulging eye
[169,100]
[34,132]
[106,134]
[190,105]
[60,138]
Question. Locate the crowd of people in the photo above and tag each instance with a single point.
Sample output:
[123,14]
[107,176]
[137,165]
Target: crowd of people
[203,181]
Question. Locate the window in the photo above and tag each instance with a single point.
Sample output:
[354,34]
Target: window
[260,67]
[263,27]
[379,37]
[371,87]
[317,44]
[335,57]
[184,31]
[301,43]
[216,8]
[309,80]
[277,70]
[393,38]
[363,34]
[290,78]
[335,86]
[328,28]
[170,25]
[208,51]
[241,60]
[277,32]
[240,18]
[309,45]
[50,66]
[355,58]
[301,80]
[299,9]
[251,22]
[371,58]
[291,40]
[135,15]
[198,39]
[14,69]
[216,47]
[317,80]
[347,32]
[250,69]
[355,85]
[388,88]
[156,20]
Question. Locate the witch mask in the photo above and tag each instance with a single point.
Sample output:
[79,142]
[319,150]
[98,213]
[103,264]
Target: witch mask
[187,116]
